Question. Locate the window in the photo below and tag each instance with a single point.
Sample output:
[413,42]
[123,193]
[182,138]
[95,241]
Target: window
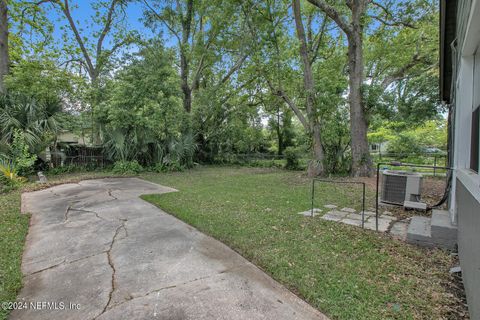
[474,144]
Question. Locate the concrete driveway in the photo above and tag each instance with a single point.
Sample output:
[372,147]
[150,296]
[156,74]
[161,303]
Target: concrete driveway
[96,251]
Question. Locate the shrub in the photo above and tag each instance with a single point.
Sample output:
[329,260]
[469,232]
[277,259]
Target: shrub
[404,145]
[167,166]
[127,167]
[291,156]
[8,169]
[22,158]
[9,179]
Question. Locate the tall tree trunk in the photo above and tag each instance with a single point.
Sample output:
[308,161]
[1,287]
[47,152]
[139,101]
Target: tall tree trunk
[315,167]
[361,160]
[186,90]
[4,57]
[184,60]
[281,146]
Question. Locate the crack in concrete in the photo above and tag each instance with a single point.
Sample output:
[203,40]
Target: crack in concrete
[65,215]
[49,268]
[65,262]
[109,192]
[111,264]
[173,286]
[89,211]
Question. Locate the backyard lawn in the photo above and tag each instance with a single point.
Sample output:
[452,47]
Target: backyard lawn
[13,228]
[345,272]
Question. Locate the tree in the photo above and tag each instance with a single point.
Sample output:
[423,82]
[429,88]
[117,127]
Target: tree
[141,113]
[94,54]
[314,124]
[354,28]
[204,36]
[42,80]
[279,66]
[401,65]
[227,121]
[280,123]
[4,55]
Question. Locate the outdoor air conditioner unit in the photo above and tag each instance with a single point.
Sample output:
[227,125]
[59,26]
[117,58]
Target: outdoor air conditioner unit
[402,188]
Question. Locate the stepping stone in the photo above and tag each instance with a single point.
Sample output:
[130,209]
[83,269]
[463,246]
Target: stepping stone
[348,210]
[382,224]
[387,213]
[329,217]
[369,213]
[456,269]
[399,230]
[387,217]
[334,215]
[308,213]
[330,206]
[354,216]
[352,222]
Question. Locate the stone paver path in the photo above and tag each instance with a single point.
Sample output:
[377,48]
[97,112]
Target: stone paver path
[99,248]
[386,222]
[351,217]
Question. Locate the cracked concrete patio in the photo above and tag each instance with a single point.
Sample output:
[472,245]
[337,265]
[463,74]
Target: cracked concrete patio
[98,245]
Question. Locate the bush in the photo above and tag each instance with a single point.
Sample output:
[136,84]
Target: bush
[9,179]
[127,167]
[167,166]
[291,156]
[404,145]
[23,159]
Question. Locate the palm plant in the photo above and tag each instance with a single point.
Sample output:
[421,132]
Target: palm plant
[181,150]
[119,146]
[8,170]
[35,119]
[137,144]
[143,145]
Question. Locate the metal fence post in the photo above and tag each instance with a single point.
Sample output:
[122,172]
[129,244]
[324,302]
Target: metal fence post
[376,196]
[313,194]
[342,182]
[363,207]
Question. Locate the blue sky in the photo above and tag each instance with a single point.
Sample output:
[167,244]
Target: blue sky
[82,12]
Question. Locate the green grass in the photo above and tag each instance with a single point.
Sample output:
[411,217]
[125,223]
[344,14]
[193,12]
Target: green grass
[344,271]
[13,229]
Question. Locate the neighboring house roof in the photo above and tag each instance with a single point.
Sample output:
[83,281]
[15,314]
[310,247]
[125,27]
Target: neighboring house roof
[448,26]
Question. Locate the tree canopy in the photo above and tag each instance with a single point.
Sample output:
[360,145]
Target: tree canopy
[204,82]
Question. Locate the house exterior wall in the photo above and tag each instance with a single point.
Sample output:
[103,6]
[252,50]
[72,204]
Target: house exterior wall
[469,246]
[465,197]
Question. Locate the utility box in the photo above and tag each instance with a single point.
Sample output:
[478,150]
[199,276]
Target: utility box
[399,187]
